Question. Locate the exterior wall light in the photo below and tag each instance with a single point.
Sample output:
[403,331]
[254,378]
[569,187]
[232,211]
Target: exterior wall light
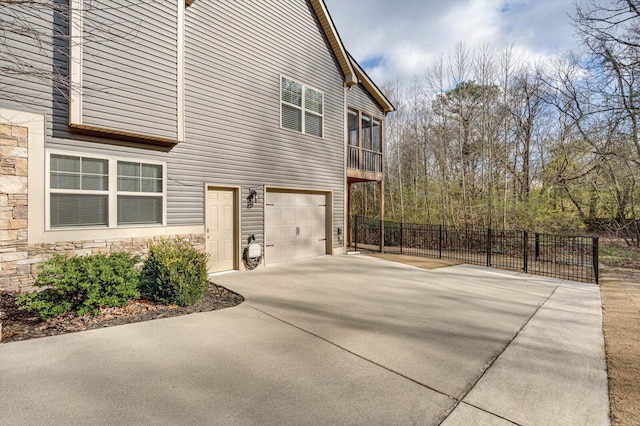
[252,198]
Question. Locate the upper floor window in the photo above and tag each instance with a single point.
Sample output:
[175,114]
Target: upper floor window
[302,108]
[91,191]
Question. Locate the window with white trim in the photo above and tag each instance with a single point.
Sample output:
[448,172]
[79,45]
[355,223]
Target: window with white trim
[139,193]
[79,191]
[88,191]
[302,108]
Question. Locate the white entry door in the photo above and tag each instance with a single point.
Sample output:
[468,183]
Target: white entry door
[295,226]
[220,229]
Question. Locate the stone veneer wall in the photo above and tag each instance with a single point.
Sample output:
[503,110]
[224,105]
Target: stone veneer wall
[20,269]
[13,206]
[19,260]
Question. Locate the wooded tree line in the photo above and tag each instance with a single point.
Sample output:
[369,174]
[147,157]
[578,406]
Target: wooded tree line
[492,138]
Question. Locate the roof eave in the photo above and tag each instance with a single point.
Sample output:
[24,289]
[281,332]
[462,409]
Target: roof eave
[371,87]
[331,33]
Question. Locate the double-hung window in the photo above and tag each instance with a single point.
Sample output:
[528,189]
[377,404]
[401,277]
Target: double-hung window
[79,191]
[87,191]
[139,193]
[302,108]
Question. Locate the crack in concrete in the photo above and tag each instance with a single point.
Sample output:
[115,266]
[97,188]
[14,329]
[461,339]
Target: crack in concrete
[456,401]
[461,400]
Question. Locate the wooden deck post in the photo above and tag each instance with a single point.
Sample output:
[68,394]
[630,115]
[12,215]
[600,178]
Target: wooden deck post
[381,213]
[349,218]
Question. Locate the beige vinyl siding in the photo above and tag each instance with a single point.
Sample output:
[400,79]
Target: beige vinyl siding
[129,72]
[239,139]
[359,98]
[25,90]
[234,57]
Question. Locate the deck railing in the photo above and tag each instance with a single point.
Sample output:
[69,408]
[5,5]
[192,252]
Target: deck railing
[365,159]
[561,256]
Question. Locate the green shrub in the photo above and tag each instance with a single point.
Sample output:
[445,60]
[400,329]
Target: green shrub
[83,284]
[174,272]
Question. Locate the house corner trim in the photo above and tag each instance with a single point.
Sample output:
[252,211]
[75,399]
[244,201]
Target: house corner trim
[76,28]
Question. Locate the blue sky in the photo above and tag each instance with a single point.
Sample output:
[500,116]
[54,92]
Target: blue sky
[397,39]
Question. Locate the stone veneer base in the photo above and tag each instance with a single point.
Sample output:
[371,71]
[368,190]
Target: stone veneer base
[19,260]
[19,265]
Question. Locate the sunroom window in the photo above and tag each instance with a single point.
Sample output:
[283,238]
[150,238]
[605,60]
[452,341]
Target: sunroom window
[376,135]
[302,108]
[353,127]
[366,132]
[364,141]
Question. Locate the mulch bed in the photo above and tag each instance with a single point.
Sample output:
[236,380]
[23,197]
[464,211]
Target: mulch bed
[22,325]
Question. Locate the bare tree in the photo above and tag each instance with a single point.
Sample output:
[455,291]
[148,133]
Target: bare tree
[611,34]
[35,44]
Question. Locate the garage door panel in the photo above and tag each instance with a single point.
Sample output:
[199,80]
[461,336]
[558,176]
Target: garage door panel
[272,216]
[295,226]
[304,214]
[273,198]
[279,253]
[319,248]
[303,249]
[305,231]
[304,199]
[288,216]
[319,199]
[318,232]
[273,253]
[287,233]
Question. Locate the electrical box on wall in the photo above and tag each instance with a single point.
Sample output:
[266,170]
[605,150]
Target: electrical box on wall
[255,250]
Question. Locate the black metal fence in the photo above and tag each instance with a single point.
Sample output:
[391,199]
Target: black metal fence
[562,256]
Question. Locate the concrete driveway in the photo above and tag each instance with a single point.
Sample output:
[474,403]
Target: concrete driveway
[332,340]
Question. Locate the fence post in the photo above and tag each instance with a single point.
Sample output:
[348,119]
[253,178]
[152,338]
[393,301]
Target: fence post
[488,247]
[381,227]
[537,248]
[355,232]
[525,251]
[401,237]
[596,259]
[439,241]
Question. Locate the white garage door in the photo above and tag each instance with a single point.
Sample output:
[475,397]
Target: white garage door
[295,226]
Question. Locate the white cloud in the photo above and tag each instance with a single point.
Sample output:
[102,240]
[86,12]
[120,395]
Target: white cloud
[396,39]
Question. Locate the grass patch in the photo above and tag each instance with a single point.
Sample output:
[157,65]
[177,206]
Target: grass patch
[620,256]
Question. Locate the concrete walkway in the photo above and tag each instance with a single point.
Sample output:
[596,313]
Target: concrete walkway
[332,340]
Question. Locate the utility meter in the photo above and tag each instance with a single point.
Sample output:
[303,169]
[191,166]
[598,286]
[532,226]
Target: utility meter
[255,250]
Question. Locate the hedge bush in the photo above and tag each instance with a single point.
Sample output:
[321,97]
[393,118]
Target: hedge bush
[174,272]
[83,284]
